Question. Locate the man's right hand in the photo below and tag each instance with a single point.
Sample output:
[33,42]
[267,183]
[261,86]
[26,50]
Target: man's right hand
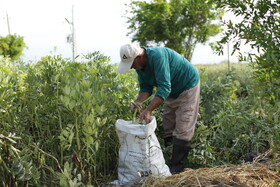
[136,106]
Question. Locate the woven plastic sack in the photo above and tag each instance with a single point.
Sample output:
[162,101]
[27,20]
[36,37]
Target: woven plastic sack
[140,154]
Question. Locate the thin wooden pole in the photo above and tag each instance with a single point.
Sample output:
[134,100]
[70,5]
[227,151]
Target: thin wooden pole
[8,23]
[73,36]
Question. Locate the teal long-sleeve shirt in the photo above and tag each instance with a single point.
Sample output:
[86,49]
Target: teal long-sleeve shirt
[168,71]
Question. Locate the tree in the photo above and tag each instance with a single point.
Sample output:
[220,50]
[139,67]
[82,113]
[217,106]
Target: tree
[177,24]
[12,46]
[259,29]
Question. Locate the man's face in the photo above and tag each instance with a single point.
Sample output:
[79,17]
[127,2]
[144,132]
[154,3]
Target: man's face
[137,63]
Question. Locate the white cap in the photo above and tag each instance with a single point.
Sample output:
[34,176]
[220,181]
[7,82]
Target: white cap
[128,53]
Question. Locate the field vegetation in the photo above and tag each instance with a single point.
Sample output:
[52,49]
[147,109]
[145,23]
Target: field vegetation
[57,120]
[57,117]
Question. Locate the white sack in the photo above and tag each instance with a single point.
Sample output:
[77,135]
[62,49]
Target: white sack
[140,154]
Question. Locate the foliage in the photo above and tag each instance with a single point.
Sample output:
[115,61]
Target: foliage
[16,168]
[64,113]
[57,120]
[235,121]
[259,29]
[12,46]
[177,24]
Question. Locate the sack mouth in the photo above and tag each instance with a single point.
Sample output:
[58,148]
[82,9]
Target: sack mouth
[137,129]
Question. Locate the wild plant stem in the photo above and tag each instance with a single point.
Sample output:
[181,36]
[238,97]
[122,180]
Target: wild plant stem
[77,133]
[135,111]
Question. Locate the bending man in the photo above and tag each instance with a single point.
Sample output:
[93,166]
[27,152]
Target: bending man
[178,87]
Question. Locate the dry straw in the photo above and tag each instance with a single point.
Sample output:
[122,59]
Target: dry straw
[257,174]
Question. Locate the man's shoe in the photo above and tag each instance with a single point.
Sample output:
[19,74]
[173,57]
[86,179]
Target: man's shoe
[180,153]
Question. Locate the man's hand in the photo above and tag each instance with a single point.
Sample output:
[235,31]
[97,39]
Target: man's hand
[137,103]
[136,106]
[145,116]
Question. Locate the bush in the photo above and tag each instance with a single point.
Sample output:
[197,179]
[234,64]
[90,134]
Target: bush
[235,120]
[64,114]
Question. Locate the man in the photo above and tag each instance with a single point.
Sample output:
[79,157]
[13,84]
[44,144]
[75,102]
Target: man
[178,86]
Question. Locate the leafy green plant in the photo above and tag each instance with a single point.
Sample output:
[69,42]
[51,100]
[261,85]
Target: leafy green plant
[65,113]
[216,93]
[12,46]
[235,124]
[66,178]
[202,153]
[16,166]
[259,30]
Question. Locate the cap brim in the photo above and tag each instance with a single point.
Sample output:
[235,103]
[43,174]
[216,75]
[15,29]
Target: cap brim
[124,67]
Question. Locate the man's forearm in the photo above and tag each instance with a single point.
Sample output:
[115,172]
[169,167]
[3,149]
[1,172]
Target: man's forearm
[146,114]
[142,97]
[154,103]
